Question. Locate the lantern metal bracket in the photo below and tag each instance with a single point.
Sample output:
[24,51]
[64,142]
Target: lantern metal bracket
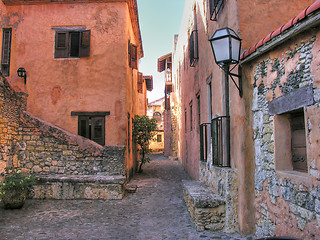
[239,76]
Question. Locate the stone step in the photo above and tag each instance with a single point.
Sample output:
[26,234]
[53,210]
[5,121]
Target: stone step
[62,187]
[206,208]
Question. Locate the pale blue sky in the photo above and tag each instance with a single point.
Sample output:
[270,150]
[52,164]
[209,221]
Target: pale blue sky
[159,21]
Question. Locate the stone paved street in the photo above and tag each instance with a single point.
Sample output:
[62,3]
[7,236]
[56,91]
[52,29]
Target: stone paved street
[156,211]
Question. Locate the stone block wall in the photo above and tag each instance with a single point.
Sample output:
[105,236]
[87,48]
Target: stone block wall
[287,202]
[224,182]
[11,104]
[37,146]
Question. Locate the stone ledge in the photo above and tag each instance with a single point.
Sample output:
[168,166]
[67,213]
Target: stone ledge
[80,187]
[83,178]
[206,208]
[202,195]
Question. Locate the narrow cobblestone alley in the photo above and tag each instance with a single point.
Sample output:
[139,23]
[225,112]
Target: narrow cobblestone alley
[156,211]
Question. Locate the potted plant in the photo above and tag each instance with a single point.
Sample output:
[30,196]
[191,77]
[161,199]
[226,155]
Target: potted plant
[14,187]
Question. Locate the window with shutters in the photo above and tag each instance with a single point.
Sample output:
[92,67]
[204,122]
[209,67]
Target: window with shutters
[72,44]
[6,51]
[132,55]
[92,127]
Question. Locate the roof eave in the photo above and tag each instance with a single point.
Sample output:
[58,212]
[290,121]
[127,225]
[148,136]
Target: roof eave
[312,20]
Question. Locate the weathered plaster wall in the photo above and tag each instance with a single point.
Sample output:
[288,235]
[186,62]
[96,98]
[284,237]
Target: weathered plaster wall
[267,17]
[287,202]
[36,146]
[66,85]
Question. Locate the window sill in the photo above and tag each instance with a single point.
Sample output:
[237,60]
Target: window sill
[296,177]
[68,58]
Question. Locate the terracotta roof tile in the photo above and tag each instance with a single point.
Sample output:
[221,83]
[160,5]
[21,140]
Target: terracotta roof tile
[313,7]
[276,32]
[267,38]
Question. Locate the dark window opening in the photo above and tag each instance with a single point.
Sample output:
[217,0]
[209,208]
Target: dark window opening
[159,138]
[219,136]
[133,55]
[298,141]
[129,135]
[73,44]
[193,48]
[204,129]
[92,127]
[191,122]
[199,109]
[6,51]
[185,120]
[216,7]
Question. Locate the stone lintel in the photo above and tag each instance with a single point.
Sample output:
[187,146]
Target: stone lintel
[292,101]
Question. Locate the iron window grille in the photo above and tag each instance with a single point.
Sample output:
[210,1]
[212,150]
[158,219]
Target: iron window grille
[216,7]
[6,51]
[193,48]
[204,134]
[219,133]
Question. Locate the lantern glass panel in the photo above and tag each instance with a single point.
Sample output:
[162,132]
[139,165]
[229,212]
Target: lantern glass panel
[221,49]
[235,44]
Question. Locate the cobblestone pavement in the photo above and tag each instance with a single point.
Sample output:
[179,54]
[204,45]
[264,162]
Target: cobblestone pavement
[156,211]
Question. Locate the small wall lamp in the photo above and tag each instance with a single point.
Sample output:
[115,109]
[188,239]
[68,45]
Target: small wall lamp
[226,47]
[23,74]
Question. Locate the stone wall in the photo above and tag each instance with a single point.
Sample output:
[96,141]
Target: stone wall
[224,182]
[37,146]
[11,104]
[287,202]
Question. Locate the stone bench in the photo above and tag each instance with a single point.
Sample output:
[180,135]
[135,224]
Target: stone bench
[206,208]
[61,186]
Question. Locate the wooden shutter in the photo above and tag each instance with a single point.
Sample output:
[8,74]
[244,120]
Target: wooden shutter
[97,130]
[83,126]
[84,50]
[134,57]
[298,142]
[61,45]
[6,51]
[129,53]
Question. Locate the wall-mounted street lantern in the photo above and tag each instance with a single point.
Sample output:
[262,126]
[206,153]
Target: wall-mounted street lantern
[226,47]
[23,74]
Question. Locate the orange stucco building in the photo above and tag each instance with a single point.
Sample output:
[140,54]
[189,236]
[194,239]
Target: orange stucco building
[200,101]
[81,61]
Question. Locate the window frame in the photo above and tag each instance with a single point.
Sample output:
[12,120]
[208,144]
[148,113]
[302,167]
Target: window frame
[85,116]
[132,55]
[191,115]
[90,129]
[283,142]
[6,51]
[215,8]
[63,48]
[193,48]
